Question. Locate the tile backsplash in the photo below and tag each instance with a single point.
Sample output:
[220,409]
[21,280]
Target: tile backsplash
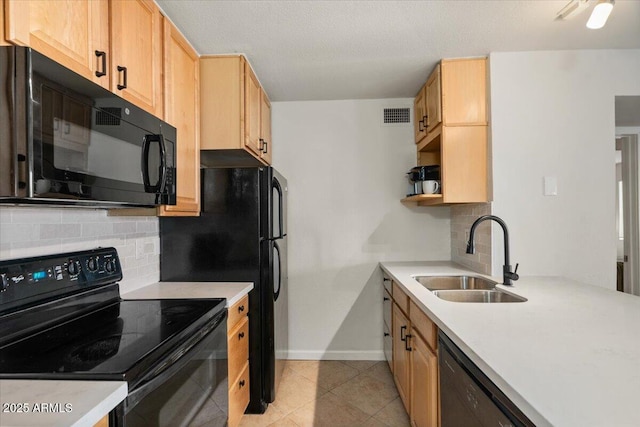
[462,217]
[26,232]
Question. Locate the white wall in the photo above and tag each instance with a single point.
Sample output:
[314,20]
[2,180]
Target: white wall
[26,232]
[346,175]
[553,115]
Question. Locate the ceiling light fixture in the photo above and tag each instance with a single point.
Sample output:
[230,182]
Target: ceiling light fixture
[573,8]
[600,14]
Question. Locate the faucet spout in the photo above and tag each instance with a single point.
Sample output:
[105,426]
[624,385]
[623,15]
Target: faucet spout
[508,276]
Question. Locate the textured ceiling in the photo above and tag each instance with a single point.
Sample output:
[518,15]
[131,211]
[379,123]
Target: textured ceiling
[316,50]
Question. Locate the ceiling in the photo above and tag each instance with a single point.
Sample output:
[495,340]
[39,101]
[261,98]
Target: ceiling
[321,50]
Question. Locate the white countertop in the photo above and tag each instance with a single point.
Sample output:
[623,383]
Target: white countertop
[232,291]
[569,356]
[80,403]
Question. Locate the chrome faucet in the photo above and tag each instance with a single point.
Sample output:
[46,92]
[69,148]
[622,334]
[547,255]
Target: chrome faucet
[508,276]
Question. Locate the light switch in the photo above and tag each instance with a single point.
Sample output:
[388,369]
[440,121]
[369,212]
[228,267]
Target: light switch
[550,186]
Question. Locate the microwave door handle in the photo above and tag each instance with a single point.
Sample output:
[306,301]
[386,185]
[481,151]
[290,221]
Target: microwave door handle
[146,144]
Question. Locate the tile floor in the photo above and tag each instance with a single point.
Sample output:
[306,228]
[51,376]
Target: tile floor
[334,394]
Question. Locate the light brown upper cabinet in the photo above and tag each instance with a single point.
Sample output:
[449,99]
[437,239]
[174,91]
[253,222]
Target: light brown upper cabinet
[74,33]
[3,40]
[181,109]
[433,100]
[233,123]
[265,128]
[115,43]
[457,132]
[136,53]
[420,114]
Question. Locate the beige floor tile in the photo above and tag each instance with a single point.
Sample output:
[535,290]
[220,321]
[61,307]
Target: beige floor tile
[295,391]
[271,415]
[393,415]
[372,422]
[328,411]
[360,365]
[332,373]
[367,393]
[381,372]
[285,422]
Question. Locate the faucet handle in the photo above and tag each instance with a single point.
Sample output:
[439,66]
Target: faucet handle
[514,275]
[516,270]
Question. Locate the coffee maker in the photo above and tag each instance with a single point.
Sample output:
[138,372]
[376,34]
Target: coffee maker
[421,173]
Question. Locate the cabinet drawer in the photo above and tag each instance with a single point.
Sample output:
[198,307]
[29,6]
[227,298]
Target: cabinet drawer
[424,325]
[238,396]
[386,282]
[238,345]
[237,312]
[386,309]
[388,346]
[400,298]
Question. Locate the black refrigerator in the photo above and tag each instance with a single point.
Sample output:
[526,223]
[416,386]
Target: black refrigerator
[240,236]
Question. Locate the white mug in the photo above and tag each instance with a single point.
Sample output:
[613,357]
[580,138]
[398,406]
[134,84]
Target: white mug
[430,187]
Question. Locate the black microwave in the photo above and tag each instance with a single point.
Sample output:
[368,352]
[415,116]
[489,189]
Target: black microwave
[65,140]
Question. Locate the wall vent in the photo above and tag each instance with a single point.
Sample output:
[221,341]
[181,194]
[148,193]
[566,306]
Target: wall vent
[396,116]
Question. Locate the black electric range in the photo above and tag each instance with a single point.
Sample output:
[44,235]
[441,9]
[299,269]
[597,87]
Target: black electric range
[61,317]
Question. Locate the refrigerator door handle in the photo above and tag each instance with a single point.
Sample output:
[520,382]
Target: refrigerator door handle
[278,187]
[276,289]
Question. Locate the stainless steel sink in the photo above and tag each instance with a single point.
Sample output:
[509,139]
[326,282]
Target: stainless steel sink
[481,296]
[434,283]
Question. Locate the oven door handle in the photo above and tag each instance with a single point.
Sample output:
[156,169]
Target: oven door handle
[172,364]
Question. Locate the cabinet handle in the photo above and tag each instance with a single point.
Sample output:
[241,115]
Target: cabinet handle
[406,342]
[386,334]
[123,72]
[385,299]
[403,337]
[67,128]
[241,384]
[241,309]
[265,149]
[241,335]
[103,56]
[385,279]
[420,126]
[56,123]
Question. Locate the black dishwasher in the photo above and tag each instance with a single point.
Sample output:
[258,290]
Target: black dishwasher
[468,397]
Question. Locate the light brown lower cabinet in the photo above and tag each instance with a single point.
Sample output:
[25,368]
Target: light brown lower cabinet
[238,359]
[415,361]
[401,361]
[104,422]
[424,382]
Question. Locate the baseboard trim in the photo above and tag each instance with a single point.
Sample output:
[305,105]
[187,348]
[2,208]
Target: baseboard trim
[335,355]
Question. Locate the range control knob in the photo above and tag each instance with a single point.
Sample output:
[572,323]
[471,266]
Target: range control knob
[92,264]
[72,268]
[110,265]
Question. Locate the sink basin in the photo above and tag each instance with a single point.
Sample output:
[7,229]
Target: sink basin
[476,295]
[434,283]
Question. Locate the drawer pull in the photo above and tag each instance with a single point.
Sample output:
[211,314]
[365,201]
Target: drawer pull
[103,56]
[406,343]
[241,335]
[385,299]
[403,337]
[123,72]
[241,384]
[386,334]
[241,309]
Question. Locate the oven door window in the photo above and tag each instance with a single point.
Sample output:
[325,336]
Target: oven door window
[195,395]
[88,152]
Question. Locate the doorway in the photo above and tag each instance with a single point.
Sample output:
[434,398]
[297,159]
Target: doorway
[627,113]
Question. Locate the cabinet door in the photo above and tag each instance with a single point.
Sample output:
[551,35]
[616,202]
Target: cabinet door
[71,32]
[433,100]
[3,40]
[181,94]
[424,383]
[265,128]
[136,46]
[464,91]
[419,115]
[401,362]
[252,93]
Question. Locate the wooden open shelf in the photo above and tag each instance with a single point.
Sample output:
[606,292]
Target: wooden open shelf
[424,199]
[431,142]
